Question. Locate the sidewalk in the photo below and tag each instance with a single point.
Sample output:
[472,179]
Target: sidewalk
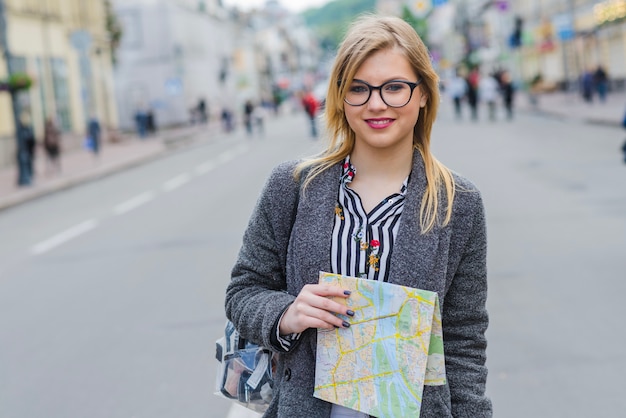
[570,106]
[79,165]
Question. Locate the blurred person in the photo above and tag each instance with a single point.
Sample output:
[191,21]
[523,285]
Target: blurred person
[52,146]
[227,120]
[457,89]
[93,132]
[375,204]
[151,126]
[202,111]
[141,122]
[311,106]
[25,150]
[507,89]
[488,93]
[248,110]
[258,116]
[601,83]
[534,89]
[472,81]
[586,86]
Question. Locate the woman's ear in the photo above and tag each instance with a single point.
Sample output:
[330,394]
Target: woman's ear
[423,99]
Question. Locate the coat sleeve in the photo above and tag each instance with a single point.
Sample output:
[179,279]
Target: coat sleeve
[256,296]
[465,319]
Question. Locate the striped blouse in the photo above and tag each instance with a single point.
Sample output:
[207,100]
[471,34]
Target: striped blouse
[362,242]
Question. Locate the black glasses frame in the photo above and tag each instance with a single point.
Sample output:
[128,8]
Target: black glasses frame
[380,91]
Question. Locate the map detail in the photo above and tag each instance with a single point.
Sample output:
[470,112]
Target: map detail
[394,347]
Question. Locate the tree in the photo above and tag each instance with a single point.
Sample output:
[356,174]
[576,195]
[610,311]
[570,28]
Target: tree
[114,29]
[419,24]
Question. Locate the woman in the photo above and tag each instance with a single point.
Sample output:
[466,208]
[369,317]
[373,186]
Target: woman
[52,145]
[376,180]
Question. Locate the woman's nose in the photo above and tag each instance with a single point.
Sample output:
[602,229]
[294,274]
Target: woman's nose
[376,100]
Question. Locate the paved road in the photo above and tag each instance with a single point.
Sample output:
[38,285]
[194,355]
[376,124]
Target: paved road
[111,294]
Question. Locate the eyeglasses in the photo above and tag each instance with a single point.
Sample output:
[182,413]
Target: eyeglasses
[394,93]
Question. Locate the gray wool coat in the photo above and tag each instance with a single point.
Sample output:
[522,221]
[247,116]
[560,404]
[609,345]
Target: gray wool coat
[276,261]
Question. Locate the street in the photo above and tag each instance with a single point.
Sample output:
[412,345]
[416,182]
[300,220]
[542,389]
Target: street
[111,293]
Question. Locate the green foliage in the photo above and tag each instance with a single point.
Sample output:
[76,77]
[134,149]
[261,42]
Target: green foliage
[331,21]
[114,29]
[16,82]
[420,25]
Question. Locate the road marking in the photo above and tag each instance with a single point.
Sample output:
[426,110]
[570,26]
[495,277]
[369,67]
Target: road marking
[176,182]
[238,411]
[133,203]
[226,156]
[205,167]
[63,237]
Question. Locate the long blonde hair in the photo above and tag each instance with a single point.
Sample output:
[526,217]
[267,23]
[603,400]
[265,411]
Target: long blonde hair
[367,35]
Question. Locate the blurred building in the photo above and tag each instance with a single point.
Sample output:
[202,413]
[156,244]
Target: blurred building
[173,55]
[563,38]
[283,51]
[64,46]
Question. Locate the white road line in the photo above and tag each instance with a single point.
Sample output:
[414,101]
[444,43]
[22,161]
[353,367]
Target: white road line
[238,411]
[176,182]
[133,203]
[204,167]
[63,237]
[226,156]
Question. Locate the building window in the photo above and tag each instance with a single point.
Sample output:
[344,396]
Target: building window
[61,92]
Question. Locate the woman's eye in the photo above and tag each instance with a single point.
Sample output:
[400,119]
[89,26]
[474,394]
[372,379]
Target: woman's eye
[358,88]
[395,87]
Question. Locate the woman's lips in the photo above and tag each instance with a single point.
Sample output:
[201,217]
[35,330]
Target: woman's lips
[379,123]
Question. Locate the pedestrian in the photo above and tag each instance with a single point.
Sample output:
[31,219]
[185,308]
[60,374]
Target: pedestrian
[473,81]
[586,86]
[248,109]
[52,146]
[93,133]
[488,93]
[25,150]
[376,187]
[311,106]
[601,83]
[457,89]
[507,89]
[151,127]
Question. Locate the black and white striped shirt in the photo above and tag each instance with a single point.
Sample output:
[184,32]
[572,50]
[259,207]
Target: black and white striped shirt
[362,242]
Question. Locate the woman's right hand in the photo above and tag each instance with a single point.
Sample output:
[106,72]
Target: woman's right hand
[314,309]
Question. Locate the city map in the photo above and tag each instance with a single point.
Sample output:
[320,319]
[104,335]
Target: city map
[393,347]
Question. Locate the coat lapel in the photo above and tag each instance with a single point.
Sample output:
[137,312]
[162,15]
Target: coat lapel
[414,257]
[316,216]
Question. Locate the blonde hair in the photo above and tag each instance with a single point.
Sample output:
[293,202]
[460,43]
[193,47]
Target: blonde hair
[367,35]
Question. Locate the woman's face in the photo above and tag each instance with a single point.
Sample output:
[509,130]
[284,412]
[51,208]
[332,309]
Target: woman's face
[376,125]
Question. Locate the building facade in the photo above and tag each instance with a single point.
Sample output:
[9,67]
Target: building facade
[174,54]
[564,38]
[63,45]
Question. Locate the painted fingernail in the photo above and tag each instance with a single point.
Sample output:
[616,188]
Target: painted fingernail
[345,324]
[350,313]
[347,292]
